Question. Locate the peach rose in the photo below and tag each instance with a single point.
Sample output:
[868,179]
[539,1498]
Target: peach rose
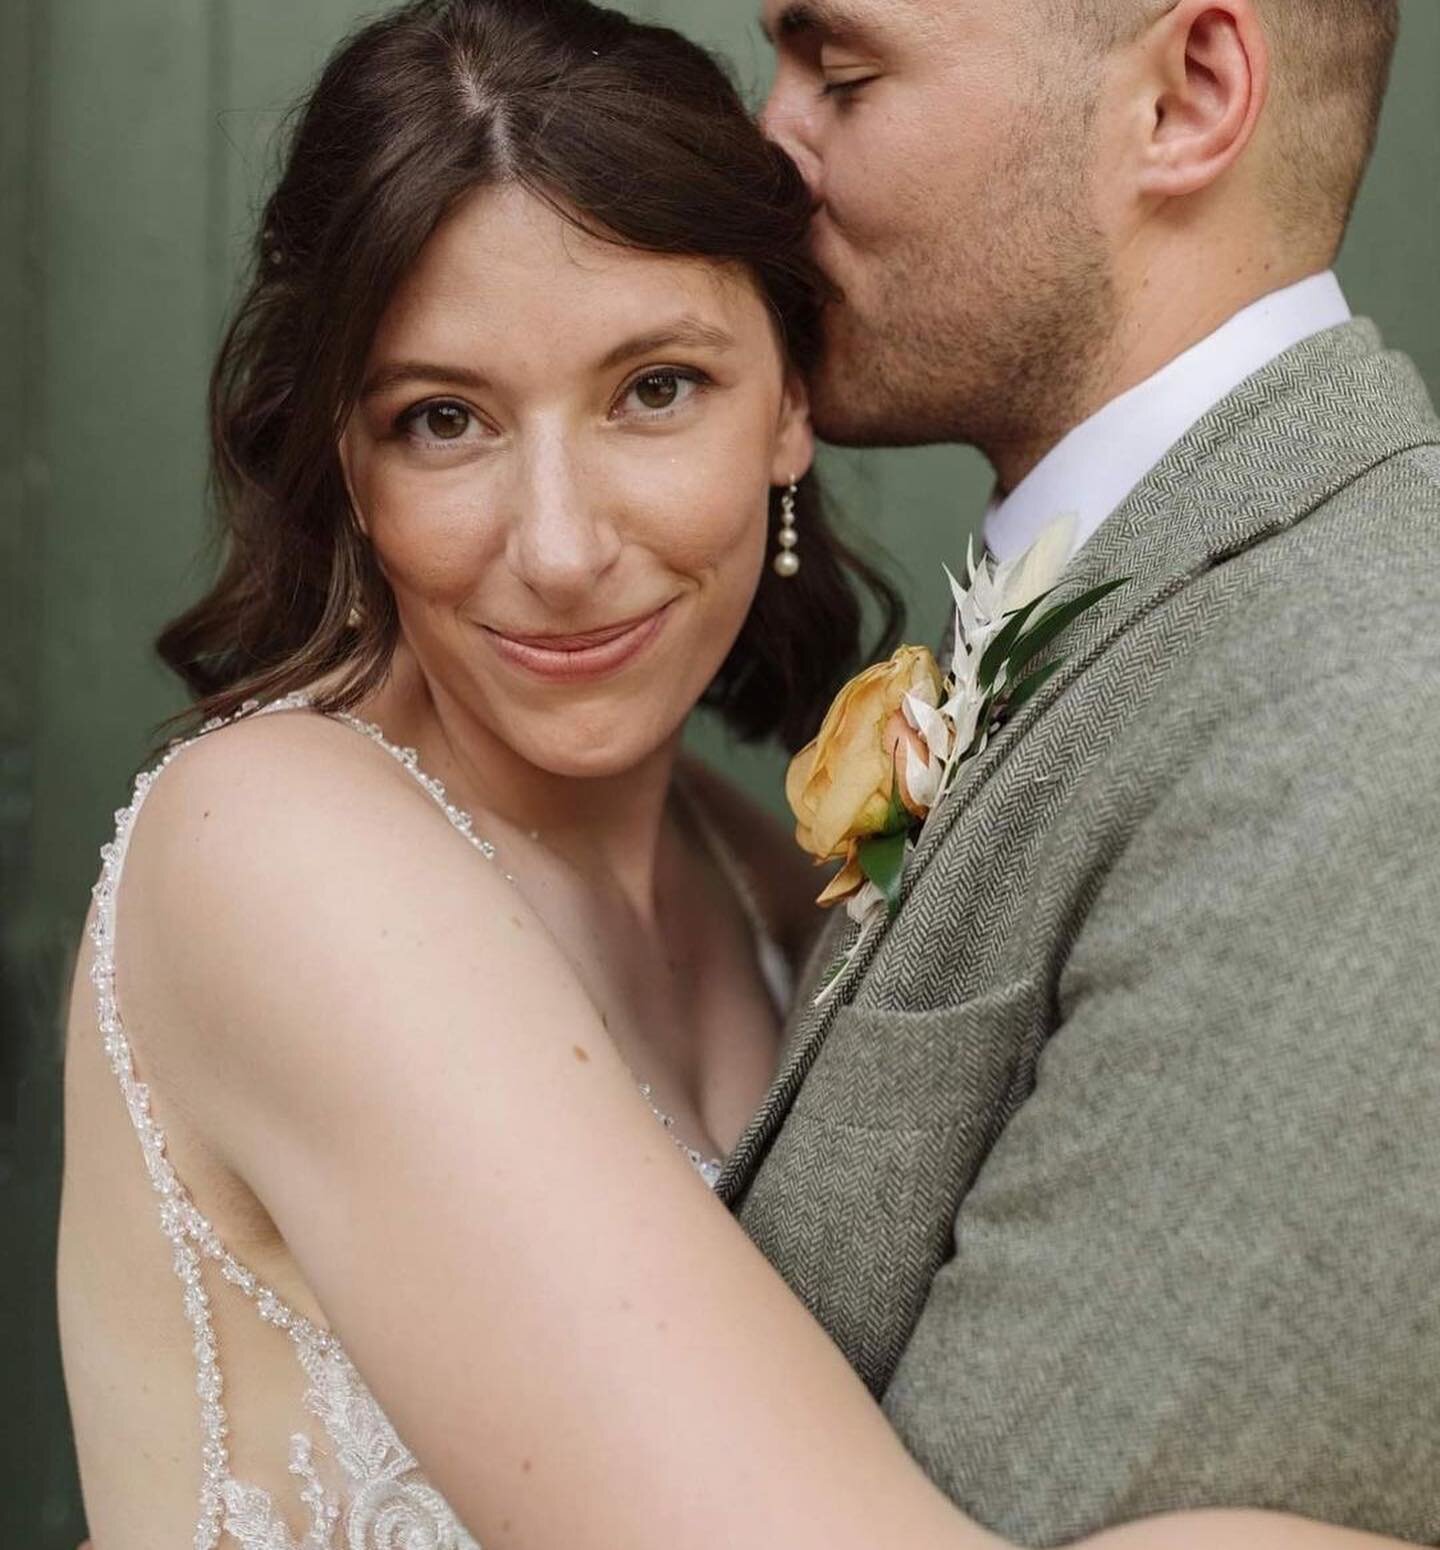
[839,786]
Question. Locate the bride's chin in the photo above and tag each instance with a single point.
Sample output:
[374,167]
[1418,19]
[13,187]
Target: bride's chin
[590,767]
[588,753]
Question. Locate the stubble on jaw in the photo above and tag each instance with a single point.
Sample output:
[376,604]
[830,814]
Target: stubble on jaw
[989,320]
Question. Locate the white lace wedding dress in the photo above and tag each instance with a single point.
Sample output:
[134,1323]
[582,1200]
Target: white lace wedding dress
[359,1485]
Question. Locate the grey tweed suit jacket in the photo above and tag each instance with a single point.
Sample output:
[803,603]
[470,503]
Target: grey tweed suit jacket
[1114,1168]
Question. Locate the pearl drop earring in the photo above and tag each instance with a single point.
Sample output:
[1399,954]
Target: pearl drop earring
[787,561]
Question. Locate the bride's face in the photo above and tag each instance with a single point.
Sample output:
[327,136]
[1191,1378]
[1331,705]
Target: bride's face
[563,457]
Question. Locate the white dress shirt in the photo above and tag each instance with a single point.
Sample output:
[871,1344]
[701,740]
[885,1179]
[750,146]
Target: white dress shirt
[1090,473]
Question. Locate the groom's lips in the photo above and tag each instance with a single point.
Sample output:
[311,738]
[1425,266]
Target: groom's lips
[585,655]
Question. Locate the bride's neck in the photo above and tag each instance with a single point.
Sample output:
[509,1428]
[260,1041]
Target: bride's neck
[607,828]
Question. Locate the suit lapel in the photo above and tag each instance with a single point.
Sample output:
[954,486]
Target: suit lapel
[1338,406]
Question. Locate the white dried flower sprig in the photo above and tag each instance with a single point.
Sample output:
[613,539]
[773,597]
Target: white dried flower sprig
[1000,628]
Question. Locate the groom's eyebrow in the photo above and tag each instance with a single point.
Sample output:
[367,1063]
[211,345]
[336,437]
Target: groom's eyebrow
[807,18]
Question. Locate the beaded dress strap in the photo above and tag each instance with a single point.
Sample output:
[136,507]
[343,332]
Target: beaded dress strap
[192,1236]
[183,1222]
[179,1215]
[408,759]
[708,1167]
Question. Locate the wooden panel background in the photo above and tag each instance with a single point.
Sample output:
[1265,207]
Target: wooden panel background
[134,138]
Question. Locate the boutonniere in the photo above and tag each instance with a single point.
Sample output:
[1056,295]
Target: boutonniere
[891,744]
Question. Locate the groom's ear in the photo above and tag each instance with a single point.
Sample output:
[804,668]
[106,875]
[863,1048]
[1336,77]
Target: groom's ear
[1207,79]
[795,443]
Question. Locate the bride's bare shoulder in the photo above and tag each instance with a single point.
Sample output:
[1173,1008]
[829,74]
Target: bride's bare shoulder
[257,780]
[291,825]
[291,901]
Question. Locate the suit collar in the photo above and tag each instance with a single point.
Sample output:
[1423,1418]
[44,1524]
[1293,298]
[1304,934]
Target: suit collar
[1332,408]
[1094,468]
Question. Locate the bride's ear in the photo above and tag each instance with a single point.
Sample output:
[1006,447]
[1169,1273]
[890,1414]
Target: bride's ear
[795,444]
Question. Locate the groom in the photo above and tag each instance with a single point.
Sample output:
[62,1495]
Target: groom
[1114,1164]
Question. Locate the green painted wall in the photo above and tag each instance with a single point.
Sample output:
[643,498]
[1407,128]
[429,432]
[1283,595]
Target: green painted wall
[134,135]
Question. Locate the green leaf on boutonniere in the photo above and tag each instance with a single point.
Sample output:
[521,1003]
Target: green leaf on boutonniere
[1058,619]
[882,860]
[999,648]
[882,855]
[898,819]
[1029,687]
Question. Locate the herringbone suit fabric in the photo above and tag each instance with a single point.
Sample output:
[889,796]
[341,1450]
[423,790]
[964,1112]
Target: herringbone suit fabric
[1114,1166]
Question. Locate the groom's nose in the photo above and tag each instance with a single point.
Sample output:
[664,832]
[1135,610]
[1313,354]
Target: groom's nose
[784,118]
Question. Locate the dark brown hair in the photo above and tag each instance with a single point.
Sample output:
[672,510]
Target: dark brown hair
[629,131]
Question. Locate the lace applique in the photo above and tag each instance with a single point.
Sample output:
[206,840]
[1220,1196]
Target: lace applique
[364,1490]
[375,1493]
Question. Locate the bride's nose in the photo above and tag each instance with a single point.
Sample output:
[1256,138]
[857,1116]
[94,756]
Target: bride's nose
[562,537]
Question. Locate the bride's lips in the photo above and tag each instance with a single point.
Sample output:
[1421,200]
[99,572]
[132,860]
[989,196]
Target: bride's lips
[574,658]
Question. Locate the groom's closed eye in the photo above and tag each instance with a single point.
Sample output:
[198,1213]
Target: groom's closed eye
[841,70]
[829,44]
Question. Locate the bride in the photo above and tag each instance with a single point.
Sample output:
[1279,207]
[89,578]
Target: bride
[434,981]
[512,446]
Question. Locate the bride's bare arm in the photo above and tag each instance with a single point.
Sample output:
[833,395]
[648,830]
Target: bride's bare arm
[578,1342]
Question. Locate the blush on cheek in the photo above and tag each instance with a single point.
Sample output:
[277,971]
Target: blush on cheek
[722,558]
[709,536]
[715,497]
[433,553]
[730,567]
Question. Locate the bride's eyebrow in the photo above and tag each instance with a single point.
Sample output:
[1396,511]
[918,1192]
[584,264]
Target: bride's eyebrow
[686,333]
[398,372]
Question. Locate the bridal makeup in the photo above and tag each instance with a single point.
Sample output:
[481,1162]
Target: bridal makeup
[563,456]
[576,658]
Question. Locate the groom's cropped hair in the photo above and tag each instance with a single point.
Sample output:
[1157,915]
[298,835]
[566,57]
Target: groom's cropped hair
[1330,62]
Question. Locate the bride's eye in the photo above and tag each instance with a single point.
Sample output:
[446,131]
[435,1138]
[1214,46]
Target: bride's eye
[439,422]
[659,393]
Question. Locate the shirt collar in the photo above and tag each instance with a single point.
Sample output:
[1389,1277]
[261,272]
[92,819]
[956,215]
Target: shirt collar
[1090,473]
